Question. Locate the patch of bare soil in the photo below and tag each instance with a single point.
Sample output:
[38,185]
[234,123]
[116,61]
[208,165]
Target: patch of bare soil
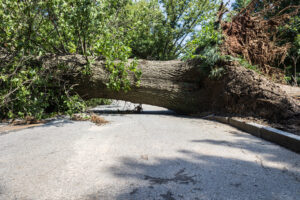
[292,91]
[244,93]
[18,124]
[28,122]
[10,127]
[251,34]
[291,125]
[278,103]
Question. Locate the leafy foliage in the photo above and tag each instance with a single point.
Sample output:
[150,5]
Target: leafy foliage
[204,47]
[243,62]
[143,24]
[181,18]
[97,101]
[40,28]
[114,30]
[239,4]
[291,33]
[159,29]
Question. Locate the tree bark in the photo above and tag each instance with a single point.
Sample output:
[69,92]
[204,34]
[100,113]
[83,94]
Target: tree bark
[182,87]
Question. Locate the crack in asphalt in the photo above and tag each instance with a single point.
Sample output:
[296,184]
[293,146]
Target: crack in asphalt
[261,163]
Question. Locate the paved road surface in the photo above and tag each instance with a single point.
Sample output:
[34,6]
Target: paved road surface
[153,155]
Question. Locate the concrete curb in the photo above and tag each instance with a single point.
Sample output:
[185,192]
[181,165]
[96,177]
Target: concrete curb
[285,139]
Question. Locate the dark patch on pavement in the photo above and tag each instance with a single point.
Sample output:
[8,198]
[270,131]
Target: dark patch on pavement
[168,196]
[199,189]
[133,191]
[291,174]
[234,132]
[2,187]
[179,177]
[236,184]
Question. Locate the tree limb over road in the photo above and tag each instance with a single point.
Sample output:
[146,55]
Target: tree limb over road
[181,86]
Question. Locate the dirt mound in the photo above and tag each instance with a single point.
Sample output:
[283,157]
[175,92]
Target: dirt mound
[244,92]
[253,94]
[251,34]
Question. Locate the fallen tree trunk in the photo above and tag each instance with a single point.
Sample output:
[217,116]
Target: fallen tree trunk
[182,87]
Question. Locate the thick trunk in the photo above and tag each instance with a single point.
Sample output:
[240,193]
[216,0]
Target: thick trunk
[181,86]
[171,84]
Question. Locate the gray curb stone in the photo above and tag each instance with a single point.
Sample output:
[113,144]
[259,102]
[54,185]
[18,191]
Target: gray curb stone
[285,139]
[282,138]
[247,127]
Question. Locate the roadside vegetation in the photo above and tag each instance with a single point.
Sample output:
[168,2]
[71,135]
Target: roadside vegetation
[201,31]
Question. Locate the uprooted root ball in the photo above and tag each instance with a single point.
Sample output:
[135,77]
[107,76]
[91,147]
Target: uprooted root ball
[252,35]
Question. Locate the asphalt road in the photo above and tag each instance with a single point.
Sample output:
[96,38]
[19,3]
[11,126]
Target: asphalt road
[153,155]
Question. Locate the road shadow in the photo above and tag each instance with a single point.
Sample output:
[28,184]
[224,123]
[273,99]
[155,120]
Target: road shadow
[1,190]
[113,110]
[129,108]
[251,171]
[123,112]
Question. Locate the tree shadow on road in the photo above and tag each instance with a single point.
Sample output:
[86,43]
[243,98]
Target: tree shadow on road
[249,170]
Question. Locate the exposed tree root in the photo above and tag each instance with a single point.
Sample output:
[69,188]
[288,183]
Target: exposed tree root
[252,35]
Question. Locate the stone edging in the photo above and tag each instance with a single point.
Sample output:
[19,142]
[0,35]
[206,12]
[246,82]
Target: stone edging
[285,139]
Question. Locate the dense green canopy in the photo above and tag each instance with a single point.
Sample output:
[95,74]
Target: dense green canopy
[107,29]
[111,29]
